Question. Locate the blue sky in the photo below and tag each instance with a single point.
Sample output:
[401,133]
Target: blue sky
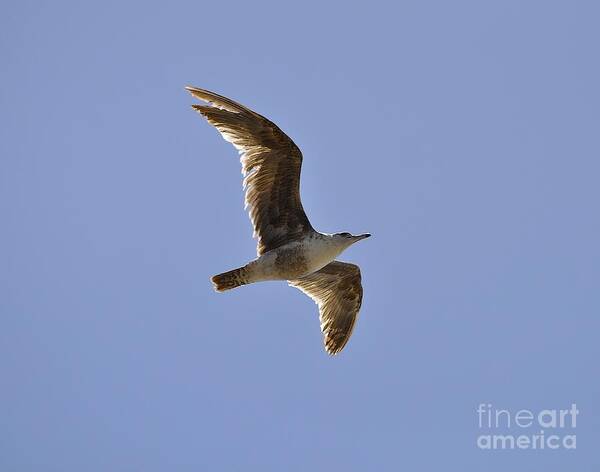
[463,135]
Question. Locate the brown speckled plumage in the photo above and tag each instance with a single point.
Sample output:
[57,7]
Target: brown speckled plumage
[230,279]
[288,246]
[337,291]
[291,262]
[271,165]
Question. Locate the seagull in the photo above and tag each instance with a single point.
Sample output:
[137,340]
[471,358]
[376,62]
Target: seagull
[289,248]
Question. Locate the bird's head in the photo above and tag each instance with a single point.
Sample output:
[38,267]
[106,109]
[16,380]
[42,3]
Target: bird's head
[349,239]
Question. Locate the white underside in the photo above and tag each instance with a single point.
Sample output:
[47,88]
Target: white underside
[317,252]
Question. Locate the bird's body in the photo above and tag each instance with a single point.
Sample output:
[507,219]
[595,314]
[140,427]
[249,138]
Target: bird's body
[295,259]
[289,248]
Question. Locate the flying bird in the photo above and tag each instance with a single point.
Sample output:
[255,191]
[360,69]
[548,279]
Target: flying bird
[289,248]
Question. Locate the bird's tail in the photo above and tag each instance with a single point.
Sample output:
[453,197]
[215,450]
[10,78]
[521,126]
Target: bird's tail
[231,279]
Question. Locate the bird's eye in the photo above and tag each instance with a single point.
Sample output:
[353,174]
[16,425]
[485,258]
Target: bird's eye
[346,235]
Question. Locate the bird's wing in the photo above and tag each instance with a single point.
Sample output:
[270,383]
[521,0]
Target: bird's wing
[337,290]
[271,166]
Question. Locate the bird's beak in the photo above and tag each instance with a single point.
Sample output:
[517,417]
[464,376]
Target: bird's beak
[363,236]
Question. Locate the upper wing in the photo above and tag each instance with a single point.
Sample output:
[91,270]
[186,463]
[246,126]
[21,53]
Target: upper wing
[337,290]
[271,165]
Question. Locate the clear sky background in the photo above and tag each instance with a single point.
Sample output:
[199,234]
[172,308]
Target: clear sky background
[463,135]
